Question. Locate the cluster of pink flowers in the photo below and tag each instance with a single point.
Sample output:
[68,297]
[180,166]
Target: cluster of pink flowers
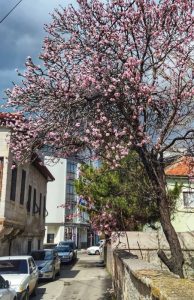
[104,222]
[115,75]
[72,216]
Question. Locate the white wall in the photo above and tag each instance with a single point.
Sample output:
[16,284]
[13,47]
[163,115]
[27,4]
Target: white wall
[58,232]
[56,191]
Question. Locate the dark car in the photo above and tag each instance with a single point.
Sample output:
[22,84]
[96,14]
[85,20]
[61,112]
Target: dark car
[49,246]
[72,245]
[48,263]
[65,253]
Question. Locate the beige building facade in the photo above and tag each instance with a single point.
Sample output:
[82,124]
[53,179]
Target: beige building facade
[22,201]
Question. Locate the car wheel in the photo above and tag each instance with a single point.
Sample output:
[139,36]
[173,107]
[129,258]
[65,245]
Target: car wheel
[97,252]
[26,296]
[34,293]
[54,275]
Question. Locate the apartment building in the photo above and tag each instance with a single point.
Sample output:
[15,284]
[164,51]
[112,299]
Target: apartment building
[22,200]
[65,220]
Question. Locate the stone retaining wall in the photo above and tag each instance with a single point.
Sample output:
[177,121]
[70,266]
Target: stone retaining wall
[135,279]
[146,244]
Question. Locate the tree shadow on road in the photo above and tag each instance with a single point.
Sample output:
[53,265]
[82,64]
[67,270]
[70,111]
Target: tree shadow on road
[69,274]
[40,294]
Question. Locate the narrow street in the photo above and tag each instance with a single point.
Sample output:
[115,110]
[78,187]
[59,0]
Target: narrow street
[84,280]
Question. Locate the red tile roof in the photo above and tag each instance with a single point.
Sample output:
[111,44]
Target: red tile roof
[183,167]
[5,118]
[8,115]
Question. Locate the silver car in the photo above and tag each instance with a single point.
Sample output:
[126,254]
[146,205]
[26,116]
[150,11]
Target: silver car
[48,263]
[65,253]
[6,292]
[72,245]
[22,273]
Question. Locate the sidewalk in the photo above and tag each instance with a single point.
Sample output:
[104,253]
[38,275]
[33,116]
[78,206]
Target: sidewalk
[86,280]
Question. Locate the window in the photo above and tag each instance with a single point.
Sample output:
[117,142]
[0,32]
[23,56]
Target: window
[70,189]
[188,199]
[40,205]
[23,182]
[13,184]
[45,212]
[71,167]
[13,266]
[32,265]
[43,255]
[29,199]
[34,202]
[50,238]
[71,198]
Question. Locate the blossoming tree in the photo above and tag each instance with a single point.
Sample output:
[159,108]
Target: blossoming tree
[118,199]
[115,76]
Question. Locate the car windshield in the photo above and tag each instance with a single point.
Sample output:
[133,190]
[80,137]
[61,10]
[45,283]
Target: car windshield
[11,266]
[63,249]
[66,243]
[42,255]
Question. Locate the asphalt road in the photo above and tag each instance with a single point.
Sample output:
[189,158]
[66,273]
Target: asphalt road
[84,280]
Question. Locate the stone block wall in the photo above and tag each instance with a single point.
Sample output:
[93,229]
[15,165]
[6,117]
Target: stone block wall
[135,279]
[146,244]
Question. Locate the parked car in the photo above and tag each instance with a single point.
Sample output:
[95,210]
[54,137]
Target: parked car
[94,250]
[6,292]
[49,246]
[65,253]
[101,242]
[48,263]
[22,273]
[72,245]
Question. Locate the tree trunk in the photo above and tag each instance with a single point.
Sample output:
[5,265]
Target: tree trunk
[155,171]
[175,262]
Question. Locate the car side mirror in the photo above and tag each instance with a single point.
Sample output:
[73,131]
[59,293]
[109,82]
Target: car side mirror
[7,284]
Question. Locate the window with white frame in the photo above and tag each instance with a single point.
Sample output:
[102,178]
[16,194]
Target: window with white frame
[188,199]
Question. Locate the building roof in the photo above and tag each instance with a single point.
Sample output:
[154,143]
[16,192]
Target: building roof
[183,167]
[38,164]
[6,116]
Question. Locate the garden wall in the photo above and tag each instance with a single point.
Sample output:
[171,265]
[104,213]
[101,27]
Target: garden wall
[135,279]
[146,245]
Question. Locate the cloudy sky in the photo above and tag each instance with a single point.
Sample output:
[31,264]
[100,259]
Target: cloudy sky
[21,35]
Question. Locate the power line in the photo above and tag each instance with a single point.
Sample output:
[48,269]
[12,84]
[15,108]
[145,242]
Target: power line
[10,11]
